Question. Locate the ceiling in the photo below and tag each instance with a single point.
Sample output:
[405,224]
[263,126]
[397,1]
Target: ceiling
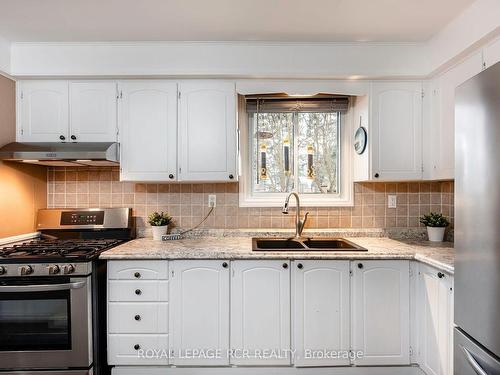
[226,20]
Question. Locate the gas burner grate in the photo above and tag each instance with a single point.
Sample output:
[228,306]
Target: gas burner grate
[74,248]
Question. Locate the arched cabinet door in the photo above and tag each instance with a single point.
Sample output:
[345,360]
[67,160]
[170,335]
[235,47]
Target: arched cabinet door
[92,111]
[396,130]
[321,321]
[148,130]
[435,302]
[199,312]
[207,131]
[42,114]
[260,312]
[381,312]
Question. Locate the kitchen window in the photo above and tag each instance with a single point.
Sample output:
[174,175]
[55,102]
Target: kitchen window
[296,144]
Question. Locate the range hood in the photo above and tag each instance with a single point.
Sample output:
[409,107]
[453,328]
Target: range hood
[63,154]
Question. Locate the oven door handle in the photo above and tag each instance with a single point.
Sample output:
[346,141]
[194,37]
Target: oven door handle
[42,287]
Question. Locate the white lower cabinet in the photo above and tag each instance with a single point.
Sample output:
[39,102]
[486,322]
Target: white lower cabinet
[140,317]
[435,321]
[138,349]
[138,310]
[266,313]
[137,270]
[381,312]
[260,312]
[321,312]
[131,291]
[200,312]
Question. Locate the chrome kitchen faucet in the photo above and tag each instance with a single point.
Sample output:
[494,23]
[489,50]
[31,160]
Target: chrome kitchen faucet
[299,223]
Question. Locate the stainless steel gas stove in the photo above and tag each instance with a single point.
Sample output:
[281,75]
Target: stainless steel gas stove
[52,293]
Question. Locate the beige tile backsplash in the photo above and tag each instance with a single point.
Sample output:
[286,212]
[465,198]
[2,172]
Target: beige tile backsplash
[187,203]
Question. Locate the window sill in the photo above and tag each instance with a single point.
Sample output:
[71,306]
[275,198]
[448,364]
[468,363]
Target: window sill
[305,201]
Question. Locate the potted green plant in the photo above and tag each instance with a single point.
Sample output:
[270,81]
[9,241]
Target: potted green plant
[436,225]
[159,222]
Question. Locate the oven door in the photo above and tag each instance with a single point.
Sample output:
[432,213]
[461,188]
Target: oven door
[45,323]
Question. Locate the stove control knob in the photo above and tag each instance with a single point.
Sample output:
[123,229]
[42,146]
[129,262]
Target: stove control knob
[26,270]
[3,271]
[68,269]
[54,270]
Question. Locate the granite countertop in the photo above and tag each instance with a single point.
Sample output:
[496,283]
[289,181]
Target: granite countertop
[439,255]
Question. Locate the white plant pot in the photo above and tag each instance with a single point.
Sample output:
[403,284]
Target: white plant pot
[159,231]
[436,234]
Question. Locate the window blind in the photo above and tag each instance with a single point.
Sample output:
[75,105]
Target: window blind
[323,104]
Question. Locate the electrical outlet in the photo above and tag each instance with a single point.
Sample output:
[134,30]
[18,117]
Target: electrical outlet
[212,200]
[392,201]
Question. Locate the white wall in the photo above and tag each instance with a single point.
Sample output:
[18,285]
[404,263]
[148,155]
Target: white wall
[250,60]
[4,56]
[477,24]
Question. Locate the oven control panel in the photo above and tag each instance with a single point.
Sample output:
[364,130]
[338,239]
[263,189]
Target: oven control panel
[82,218]
[45,269]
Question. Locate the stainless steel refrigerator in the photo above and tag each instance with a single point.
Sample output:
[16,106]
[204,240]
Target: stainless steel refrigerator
[477,225]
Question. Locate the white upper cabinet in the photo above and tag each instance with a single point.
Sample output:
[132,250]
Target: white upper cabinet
[435,304]
[42,113]
[440,129]
[200,311]
[92,111]
[260,312]
[207,131]
[381,312]
[321,312]
[62,111]
[148,130]
[396,130]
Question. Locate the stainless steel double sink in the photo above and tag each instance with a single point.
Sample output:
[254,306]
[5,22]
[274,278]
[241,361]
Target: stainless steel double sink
[304,244]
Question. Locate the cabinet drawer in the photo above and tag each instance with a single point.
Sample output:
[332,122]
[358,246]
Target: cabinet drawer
[138,349]
[141,317]
[138,270]
[137,291]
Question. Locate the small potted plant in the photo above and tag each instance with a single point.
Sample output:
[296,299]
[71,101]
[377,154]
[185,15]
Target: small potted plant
[436,224]
[159,222]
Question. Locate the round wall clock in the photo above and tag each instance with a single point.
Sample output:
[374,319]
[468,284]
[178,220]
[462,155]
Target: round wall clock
[360,139]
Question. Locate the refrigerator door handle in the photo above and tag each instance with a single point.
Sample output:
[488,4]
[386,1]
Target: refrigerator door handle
[472,361]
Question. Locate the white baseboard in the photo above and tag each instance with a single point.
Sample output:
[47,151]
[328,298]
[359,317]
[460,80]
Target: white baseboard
[151,370]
